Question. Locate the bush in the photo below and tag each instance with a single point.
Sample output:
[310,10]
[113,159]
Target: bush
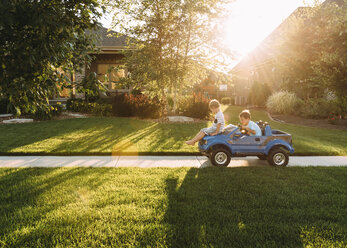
[47,112]
[137,105]
[318,108]
[4,105]
[195,106]
[227,100]
[106,100]
[98,109]
[71,104]
[283,102]
[259,93]
[121,106]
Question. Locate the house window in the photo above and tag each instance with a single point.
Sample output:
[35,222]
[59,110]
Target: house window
[109,76]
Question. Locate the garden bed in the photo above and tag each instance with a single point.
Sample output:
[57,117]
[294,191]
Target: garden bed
[320,123]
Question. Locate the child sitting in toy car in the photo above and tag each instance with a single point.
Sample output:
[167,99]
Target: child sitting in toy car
[249,126]
[217,126]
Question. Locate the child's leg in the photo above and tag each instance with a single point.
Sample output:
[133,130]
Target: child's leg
[197,137]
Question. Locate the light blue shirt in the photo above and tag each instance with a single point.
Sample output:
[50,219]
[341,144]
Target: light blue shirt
[252,125]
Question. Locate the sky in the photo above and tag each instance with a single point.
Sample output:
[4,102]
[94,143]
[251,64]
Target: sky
[250,22]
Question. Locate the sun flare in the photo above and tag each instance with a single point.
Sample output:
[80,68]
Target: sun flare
[251,21]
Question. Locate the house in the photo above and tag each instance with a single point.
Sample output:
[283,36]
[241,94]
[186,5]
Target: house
[260,64]
[213,88]
[108,55]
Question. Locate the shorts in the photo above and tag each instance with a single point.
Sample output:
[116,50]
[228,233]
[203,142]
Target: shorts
[208,130]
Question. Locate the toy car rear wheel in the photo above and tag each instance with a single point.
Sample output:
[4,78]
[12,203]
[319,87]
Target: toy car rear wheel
[278,157]
[220,157]
[262,157]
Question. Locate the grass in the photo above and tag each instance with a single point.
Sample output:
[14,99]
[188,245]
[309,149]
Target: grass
[106,136]
[182,207]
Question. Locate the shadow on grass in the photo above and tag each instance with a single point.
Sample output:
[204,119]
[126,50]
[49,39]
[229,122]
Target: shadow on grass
[22,201]
[99,136]
[257,207]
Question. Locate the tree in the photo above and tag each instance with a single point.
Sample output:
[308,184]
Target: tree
[38,39]
[172,40]
[312,54]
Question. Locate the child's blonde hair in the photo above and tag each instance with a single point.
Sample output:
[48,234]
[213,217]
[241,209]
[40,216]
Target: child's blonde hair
[214,104]
[245,114]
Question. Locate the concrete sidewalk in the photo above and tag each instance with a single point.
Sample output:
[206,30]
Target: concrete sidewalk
[155,161]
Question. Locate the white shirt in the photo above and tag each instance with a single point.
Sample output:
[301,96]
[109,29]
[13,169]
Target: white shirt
[219,118]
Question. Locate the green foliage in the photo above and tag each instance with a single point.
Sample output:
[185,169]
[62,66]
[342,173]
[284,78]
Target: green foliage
[283,102]
[97,109]
[121,106]
[228,100]
[47,112]
[47,35]
[137,105]
[173,42]
[195,106]
[91,87]
[313,53]
[4,106]
[259,93]
[318,108]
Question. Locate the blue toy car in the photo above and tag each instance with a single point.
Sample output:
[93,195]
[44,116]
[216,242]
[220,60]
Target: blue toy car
[273,145]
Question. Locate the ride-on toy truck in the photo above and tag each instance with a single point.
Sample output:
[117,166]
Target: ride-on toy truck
[273,145]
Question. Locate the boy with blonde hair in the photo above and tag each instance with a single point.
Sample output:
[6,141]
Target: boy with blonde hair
[217,126]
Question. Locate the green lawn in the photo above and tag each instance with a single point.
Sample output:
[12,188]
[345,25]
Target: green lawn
[183,207]
[126,135]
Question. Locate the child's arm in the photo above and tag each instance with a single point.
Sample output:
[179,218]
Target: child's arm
[249,130]
[217,130]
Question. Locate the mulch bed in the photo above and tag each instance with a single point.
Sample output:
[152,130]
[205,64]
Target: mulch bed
[321,123]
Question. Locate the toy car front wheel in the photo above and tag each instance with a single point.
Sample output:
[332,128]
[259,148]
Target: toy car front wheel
[278,157]
[220,157]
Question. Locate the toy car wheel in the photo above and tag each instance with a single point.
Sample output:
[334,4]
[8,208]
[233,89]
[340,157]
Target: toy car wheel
[278,157]
[220,157]
[262,157]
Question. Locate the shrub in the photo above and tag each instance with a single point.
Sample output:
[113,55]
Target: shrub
[195,106]
[145,107]
[72,104]
[121,106]
[318,108]
[4,105]
[226,100]
[259,93]
[47,112]
[98,109]
[283,102]
[137,105]
[106,100]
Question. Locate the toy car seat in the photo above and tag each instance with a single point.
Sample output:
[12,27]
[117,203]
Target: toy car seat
[263,127]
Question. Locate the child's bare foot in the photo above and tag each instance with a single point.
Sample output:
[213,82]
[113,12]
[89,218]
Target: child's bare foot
[190,142]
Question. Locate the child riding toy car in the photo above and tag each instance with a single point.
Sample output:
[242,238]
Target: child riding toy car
[273,146]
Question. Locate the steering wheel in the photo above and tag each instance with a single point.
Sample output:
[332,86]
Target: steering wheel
[243,131]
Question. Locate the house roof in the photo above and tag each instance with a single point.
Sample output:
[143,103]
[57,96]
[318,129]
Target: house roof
[110,40]
[264,52]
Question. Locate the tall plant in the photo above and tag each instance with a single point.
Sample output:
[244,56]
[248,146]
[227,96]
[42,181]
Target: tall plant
[37,38]
[312,54]
[172,41]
